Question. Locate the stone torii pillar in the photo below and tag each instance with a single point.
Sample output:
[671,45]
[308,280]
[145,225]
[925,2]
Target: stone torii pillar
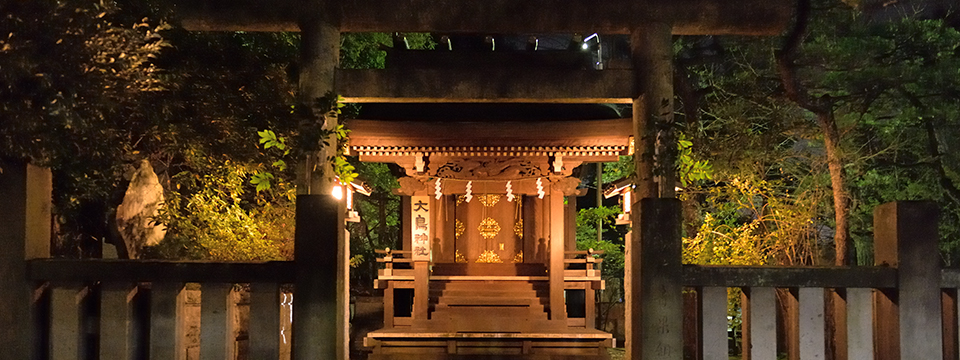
[653,283]
[321,248]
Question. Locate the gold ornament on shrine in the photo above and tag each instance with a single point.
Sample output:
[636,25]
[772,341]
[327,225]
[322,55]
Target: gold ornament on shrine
[460,199]
[489,228]
[518,258]
[489,257]
[518,228]
[489,200]
[458,257]
[458,229]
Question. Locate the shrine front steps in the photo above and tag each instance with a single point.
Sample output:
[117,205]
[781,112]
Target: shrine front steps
[569,344]
[487,306]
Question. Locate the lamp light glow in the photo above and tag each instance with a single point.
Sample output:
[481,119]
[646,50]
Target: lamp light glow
[337,192]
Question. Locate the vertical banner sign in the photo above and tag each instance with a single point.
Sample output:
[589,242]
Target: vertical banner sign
[420,218]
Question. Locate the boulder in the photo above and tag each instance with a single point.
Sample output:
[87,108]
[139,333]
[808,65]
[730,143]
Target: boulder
[141,204]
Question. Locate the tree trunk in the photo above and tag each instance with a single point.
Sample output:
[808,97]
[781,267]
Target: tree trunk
[822,107]
[841,199]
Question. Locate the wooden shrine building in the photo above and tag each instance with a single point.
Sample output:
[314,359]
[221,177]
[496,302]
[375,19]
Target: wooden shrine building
[489,248]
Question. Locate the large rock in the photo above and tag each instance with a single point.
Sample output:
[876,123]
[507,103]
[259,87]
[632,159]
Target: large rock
[141,204]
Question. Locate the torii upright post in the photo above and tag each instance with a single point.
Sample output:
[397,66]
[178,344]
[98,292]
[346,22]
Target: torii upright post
[654,286]
[321,306]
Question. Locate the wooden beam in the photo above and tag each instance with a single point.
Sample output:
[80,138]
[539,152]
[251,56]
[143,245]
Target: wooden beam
[490,135]
[689,17]
[158,271]
[486,86]
[757,276]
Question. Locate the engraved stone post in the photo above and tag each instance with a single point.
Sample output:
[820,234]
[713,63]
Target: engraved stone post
[656,302]
[25,192]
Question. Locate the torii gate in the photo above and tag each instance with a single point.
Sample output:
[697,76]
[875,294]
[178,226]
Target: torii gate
[654,304]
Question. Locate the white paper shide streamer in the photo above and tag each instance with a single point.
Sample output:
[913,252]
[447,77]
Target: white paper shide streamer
[510,195]
[469,191]
[436,189]
[540,192]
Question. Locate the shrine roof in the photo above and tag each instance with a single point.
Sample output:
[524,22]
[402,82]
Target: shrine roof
[570,136]
[492,112]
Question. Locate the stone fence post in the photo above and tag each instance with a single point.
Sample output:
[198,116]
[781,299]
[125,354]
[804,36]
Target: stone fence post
[25,201]
[908,319]
[656,311]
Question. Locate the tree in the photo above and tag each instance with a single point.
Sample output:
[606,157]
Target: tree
[865,77]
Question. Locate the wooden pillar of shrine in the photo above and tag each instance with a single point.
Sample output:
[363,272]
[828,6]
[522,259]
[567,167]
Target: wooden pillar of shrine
[558,310]
[653,260]
[321,302]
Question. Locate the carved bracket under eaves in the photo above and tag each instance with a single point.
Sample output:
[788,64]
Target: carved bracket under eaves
[497,168]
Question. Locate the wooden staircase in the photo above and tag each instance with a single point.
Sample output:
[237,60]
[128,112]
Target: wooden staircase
[489,306]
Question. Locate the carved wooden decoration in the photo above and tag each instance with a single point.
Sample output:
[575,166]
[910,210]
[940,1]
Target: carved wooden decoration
[489,169]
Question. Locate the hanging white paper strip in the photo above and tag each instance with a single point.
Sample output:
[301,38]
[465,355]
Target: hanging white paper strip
[469,194]
[540,192]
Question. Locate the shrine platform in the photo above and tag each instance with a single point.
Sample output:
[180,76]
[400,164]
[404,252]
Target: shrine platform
[403,344]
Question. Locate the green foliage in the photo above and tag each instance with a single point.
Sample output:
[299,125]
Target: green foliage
[91,89]
[750,222]
[365,50]
[690,169]
[207,218]
[379,225]
[893,86]
[613,171]
[611,243]
[263,179]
